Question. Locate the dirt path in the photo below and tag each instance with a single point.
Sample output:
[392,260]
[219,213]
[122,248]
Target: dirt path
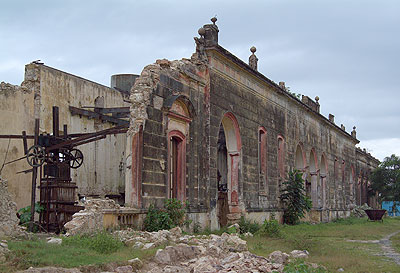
[386,245]
[387,248]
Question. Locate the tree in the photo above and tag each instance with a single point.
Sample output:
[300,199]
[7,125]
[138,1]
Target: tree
[386,179]
[294,198]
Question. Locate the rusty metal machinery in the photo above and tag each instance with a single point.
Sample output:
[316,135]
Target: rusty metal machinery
[54,156]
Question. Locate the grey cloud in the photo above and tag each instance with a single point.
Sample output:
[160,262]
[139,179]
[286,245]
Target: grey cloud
[346,52]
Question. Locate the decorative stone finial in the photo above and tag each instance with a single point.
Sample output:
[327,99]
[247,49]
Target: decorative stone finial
[253,60]
[214,19]
[331,118]
[354,133]
[317,103]
[201,31]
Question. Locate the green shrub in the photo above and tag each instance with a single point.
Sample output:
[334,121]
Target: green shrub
[176,211]
[270,228]
[156,219]
[101,242]
[248,226]
[172,215]
[25,215]
[294,199]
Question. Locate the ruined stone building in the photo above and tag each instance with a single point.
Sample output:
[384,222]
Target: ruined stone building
[210,130]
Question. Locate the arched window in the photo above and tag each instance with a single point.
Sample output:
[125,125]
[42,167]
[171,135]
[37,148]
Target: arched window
[262,160]
[281,156]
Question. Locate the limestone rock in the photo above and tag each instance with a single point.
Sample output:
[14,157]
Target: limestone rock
[136,263]
[299,254]
[56,241]
[279,257]
[176,231]
[234,243]
[163,256]
[148,246]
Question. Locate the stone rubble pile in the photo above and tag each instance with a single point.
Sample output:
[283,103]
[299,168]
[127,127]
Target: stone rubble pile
[8,214]
[90,219]
[190,253]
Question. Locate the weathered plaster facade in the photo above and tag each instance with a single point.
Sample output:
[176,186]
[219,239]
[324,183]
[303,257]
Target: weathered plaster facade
[102,172]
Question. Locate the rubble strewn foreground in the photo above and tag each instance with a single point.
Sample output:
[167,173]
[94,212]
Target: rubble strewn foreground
[192,254]
[213,253]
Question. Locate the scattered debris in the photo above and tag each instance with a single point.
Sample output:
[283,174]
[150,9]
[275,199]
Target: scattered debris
[90,219]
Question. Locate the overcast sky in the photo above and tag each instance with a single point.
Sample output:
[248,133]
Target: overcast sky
[346,52]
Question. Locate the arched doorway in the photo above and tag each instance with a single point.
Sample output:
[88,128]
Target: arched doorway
[229,148]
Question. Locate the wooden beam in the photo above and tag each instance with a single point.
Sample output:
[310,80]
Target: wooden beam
[96,115]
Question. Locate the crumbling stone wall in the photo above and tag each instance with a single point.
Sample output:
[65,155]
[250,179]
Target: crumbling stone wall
[155,86]
[16,112]
[8,213]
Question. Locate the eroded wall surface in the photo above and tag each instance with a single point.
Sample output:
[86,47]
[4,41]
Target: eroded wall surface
[16,115]
[102,172]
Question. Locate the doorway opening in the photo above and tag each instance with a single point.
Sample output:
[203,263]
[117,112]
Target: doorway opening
[229,147]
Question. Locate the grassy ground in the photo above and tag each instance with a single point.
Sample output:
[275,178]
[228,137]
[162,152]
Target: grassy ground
[72,253]
[328,246]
